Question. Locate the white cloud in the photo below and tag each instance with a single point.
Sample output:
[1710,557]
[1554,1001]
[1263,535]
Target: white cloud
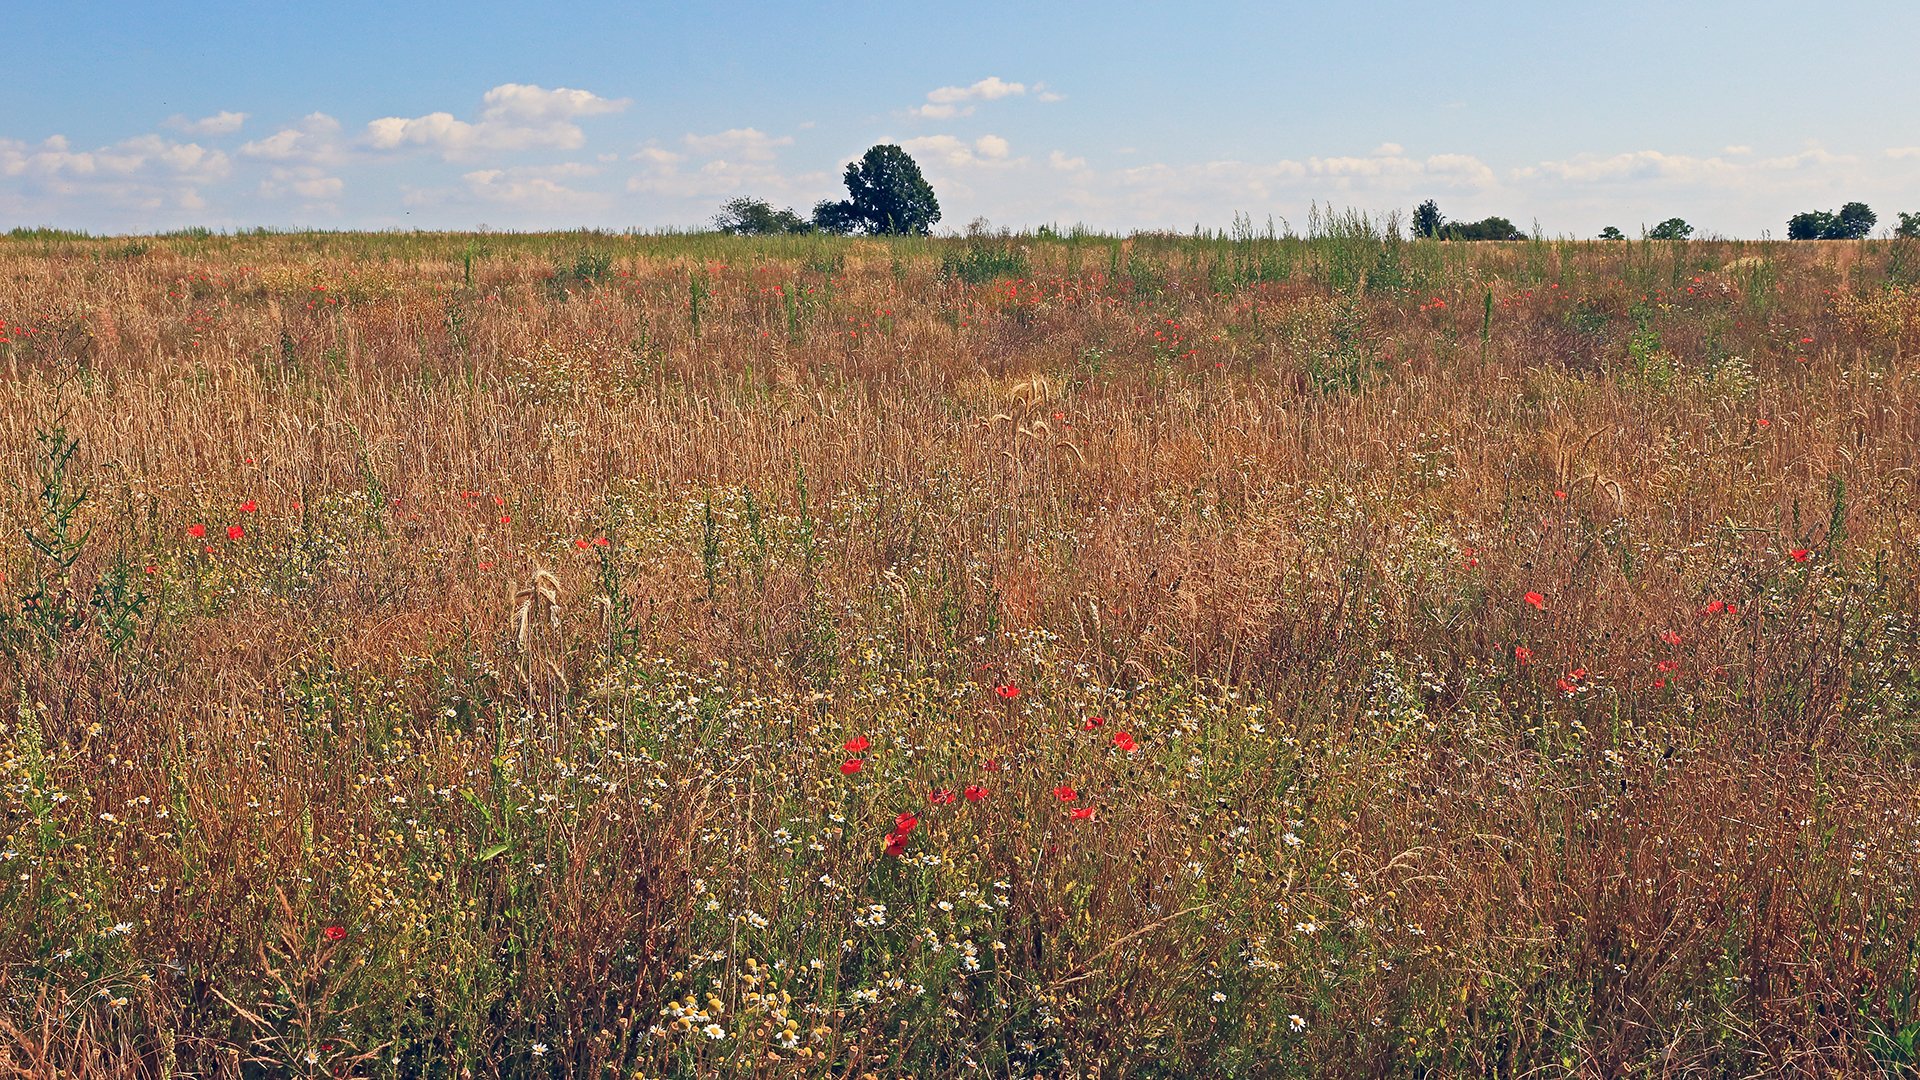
[1635,166]
[526,192]
[1459,170]
[1389,149]
[522,103]
[1736,150]
[723,178]
[748,143]
[1644,166]
[514,116]
[142,155]
[146,173]
[518,187]
[220,123]
[985,151]
[656,157]
[949,101]
[1904,152]
[1059,160]
[320,187]
[315,139]
[301,181]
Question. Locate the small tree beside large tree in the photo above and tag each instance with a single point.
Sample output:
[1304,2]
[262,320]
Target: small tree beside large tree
[746,216]
[886,196]
[1853,222]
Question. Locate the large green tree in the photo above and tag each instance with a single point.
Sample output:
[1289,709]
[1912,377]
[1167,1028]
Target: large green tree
[886,195]
[1671,229]
[1427,219]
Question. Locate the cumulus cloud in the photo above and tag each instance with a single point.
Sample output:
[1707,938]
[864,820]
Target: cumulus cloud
[146,173]
[721,178]
[301,181]
[142,155]
[315,139]
[513,116]
[655,157]
[987,150]
[1059,160]
[220,123]
[750,144]
[1643,166]
[949,101]
[530,188]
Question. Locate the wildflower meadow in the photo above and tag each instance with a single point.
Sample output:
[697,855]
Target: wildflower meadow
[1012,655]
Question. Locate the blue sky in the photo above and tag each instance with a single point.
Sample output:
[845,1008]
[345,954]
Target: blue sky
[131,117]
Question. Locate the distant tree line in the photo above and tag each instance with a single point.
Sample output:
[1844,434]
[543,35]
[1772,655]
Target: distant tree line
[887,195]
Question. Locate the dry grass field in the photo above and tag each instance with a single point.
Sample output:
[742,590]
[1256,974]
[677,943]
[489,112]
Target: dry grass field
[586,655]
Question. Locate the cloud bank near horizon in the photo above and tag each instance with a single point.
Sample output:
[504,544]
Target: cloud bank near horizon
[527,156]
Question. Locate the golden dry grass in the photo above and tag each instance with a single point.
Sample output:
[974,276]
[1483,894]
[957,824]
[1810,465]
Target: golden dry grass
[565,577]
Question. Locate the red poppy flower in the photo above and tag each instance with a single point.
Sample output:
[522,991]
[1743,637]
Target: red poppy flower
[601,541]
[248,507]
[850,766]
[1007,691]
[857,744]
[1523,654]
[896,844]
[334,933]
[196,530]
[1065,793]
[1081,813]
[235,532]
[1670,637]
[1716,607]
[1125,742]
[581,544]
[1800,554]
[941,797]
[1559,494]
[1538,602]
[991,764]
[974,793]
[906,823]
[1093,722]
